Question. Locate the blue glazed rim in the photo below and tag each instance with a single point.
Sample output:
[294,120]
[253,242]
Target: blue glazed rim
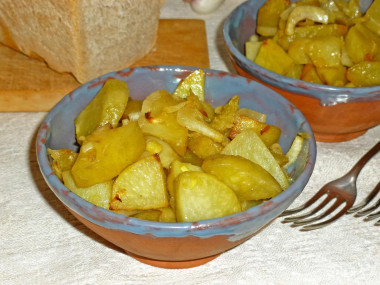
[221,226]
[327,95]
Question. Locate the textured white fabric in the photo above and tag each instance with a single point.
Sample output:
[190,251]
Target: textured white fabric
[42,243]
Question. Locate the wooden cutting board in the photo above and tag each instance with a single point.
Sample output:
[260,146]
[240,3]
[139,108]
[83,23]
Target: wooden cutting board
[28,85]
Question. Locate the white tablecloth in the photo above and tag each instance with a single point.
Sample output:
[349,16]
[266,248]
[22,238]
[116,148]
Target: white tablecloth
[42,243]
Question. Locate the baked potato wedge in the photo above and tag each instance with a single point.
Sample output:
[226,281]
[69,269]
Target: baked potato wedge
[141,186]
[63,159]
[249,145]
[106,152]
[200,196]
[97,194]
[106,108]
[155,121]
[247,179]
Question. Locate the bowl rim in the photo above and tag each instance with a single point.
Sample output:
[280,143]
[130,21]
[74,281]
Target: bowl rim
[335,94]
[201,228]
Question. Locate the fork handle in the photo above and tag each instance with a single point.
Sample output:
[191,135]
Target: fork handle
[355,170]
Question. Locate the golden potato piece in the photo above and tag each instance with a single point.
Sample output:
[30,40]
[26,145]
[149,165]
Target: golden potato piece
[164,215]
[125,212]
[269,134]
[298,50]
[261,117]
[248,145]
[194,83]
[360,45]
[204,107]
[303,12]
[156,102]
[309,73]
[149,215]
[320,31]
[248,180]
[279,154]
[252,49]
[192,119]
[141,186]
[106,108]
[98,194]
[133,109]
[167,215]
[326,51]
[271,56]
[106,152]
[245,205]
[176,168]
[372,17]
[192,158]
[203,146]
[295,71]
[156,122]
[164,150]
[294,151]
[201,196]
[225,115]
[333,76]
[366,73]
[63,159]
[268,16]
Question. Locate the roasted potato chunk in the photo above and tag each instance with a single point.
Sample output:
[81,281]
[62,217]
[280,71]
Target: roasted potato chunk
[271,56]
[106,108]
[225,115]
[245,205]
[163,149]
[326,51]
[359,44]
[200,196]
[269,134]
[167,215]
[249,145]
[106,152]
[149,215]
[268,16]
[248,179]
[63,159]
[133,109]
[194,83]
[141,186]
[156,122]
[97,194]
[203,146]
[372,17]
[176,168]
[366,73]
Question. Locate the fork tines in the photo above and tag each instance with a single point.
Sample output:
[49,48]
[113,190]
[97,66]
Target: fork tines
[367,211]
[305,221]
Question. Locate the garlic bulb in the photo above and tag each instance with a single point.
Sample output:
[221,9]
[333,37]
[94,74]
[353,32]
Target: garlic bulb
[205,6]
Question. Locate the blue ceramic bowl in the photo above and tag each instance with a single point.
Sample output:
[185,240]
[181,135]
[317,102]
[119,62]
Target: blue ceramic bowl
[176,244]
[334,113]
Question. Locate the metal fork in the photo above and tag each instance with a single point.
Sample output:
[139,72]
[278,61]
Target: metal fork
[342,190]
[369,210]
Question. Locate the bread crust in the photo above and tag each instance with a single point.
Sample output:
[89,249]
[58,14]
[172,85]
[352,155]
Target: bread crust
[84,37]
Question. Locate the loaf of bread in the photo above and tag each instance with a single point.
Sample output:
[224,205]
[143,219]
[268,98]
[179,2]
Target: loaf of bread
[84,37]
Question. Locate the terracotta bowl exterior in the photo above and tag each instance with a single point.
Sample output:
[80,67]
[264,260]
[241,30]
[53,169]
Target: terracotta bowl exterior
[176,245]
[334,113]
